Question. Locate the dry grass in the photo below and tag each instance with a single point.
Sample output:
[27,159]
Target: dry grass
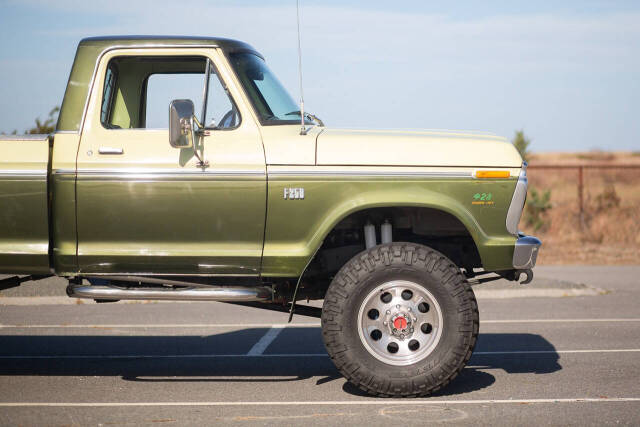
[588,157]
[608,231]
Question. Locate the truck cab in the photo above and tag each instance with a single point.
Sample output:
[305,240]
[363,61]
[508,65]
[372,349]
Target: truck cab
[181,168]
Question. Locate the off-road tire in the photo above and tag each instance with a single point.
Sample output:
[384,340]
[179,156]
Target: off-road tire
[392,262]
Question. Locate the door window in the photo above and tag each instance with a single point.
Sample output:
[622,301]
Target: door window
[107,94]
[138,90]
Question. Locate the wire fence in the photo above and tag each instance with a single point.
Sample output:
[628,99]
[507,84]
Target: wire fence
[597,178]
[602,200]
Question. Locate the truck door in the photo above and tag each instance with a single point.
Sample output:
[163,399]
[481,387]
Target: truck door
[144,207]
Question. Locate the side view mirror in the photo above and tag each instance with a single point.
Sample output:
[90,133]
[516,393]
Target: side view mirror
[181,123]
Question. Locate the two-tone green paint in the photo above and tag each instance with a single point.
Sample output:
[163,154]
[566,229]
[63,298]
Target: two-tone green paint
[111,221]
[24,228]
[24,232]
[63,222]
[161,223]
[296,229]
[89,53]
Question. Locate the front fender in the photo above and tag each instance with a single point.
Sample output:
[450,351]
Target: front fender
[296,228]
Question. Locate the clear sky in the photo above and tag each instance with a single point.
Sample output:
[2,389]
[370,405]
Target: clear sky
[568,72]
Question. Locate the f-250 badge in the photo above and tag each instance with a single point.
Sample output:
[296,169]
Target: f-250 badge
[296,193]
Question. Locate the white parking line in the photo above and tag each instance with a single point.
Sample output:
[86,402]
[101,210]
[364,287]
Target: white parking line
[162,356]
[277,325]
[560,320]
[608,350]
[259,347]
[165,325]
[378,402]
[294,355]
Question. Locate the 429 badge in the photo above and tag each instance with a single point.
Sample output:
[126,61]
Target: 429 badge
[483,199]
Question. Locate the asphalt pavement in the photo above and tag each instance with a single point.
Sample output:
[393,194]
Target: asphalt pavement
[563,351]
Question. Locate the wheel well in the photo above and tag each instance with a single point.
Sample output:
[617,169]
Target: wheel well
[427,226]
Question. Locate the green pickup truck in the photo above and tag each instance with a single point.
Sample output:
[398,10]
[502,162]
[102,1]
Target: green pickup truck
[242,198]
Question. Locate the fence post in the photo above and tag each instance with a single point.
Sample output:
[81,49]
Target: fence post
[580,194]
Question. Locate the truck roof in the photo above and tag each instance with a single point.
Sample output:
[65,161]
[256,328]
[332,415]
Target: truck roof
[91,49]
[156,41]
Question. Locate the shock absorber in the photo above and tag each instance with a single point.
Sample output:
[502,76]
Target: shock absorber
[370,235]
[386,235]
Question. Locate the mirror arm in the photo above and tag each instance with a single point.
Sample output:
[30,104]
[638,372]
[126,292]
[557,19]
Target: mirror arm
[201,131]
[197,122]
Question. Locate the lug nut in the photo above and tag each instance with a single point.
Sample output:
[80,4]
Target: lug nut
[409,308]
[397,305]
[384,323]
[395,330]
[401,336]
[388,312]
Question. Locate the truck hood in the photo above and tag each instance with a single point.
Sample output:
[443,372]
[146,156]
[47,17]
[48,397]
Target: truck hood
[414,148]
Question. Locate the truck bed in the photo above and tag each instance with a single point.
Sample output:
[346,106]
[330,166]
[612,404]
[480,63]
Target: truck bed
[24,229]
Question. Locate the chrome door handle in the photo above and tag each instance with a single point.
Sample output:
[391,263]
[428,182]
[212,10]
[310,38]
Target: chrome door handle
[110,150]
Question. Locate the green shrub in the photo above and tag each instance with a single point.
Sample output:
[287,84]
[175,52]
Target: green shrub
[521,142]
[607,199]
[537,205]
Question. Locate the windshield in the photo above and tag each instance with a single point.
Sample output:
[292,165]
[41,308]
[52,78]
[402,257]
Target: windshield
[270,99]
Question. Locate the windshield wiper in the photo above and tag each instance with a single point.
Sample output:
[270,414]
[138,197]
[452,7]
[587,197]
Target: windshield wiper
[307,115]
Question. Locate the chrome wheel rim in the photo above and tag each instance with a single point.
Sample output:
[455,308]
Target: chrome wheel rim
[400,323]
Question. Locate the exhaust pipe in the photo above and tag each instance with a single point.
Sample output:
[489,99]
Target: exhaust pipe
[219,293]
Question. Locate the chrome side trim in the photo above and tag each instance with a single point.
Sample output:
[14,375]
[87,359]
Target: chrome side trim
[148,274]
[29,172]
[275,174]
[159,173]
[525,252]
[64,172]
[26,137]
[517,202]
[23,174]
[371,173]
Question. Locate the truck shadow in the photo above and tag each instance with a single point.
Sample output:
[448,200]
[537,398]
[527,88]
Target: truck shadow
[296,354]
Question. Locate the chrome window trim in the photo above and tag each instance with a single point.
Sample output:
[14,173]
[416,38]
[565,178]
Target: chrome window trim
[136,46]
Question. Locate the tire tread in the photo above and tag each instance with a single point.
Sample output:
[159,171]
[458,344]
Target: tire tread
[389,256]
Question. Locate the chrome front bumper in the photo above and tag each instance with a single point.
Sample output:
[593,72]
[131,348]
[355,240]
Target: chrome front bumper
[525,252]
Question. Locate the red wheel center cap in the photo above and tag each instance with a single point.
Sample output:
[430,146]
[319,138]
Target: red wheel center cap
[400,323]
